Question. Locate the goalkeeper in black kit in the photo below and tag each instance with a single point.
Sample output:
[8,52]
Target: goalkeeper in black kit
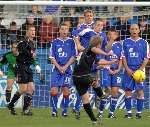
[24,75]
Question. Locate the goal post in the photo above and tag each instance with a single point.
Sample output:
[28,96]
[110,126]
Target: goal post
[113,14]
[75,3]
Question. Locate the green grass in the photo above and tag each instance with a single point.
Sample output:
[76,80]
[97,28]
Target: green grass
[42,118]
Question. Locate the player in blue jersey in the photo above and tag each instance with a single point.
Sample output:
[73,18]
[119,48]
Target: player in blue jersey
[135,56]
[88,23]
[110,77]
[62,56]
[82,35]
[88,19]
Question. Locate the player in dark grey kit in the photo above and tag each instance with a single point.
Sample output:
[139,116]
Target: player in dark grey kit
[24,75]
[82,76]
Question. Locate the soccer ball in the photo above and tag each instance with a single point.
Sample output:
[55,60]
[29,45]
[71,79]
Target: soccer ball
[139,76]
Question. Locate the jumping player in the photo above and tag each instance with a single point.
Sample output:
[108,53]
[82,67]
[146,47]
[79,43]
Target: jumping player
[82,74]
[84,35]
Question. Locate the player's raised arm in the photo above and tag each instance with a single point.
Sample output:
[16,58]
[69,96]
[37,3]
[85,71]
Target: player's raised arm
[95,43]
[80,48]
[105,62]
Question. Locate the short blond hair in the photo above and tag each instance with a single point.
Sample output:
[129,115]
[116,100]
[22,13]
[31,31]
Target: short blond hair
[95,40]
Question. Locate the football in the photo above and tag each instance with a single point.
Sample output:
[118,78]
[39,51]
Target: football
[139,76]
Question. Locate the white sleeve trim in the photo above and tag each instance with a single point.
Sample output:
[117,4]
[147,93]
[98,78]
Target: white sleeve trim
[85,31]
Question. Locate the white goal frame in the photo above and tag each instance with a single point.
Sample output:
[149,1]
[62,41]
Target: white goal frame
[74,3]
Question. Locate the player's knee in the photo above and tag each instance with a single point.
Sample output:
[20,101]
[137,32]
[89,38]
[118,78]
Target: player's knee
[23,90]
[65,91]
[114,92]
[128,92]
[53,92]
[85,98]
[65,95]
[140,95]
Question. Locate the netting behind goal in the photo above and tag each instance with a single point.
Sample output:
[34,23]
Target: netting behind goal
[14,20]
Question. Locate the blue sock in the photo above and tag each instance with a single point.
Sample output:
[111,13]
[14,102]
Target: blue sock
[78,103]
[140,105]
[54,100]
[102,105]
[113,103]
[128,104]
[65,103]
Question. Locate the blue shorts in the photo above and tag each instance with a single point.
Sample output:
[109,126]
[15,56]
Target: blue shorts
[60,80]
[108,80]
[130,84]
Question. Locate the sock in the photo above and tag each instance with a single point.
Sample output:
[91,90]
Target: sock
[65,103]
[98,91]
[78,103]
[8,95]
[54,100]
[140,105]
[88,109]
[27,101]
[128,104]
[15,98]
[102,105]
[113,104]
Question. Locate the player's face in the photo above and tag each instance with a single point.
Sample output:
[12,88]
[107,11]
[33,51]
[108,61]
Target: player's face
[64,31]
[112,35]
[31,32]
[89,17]
[98,26]
[34,8]
[134,30]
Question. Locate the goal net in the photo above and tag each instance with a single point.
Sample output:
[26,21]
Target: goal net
[15,16]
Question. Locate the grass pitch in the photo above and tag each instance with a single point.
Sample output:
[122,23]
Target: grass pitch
[42,118]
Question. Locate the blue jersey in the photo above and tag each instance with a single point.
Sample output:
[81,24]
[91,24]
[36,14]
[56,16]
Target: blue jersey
[135,51]
[117,52]
[84,26]
[86,34]
[104,40]
[62,50]
[103,45]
